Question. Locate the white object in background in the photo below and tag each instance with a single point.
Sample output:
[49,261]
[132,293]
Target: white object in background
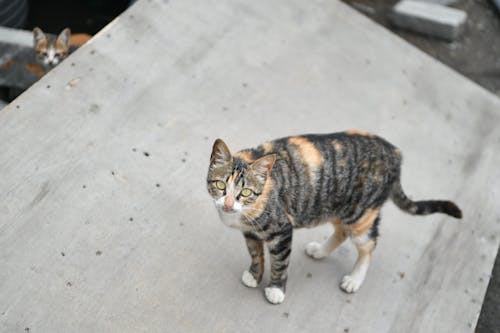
[432,19]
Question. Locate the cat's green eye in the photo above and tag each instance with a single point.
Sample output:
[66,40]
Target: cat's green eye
[246,192]
[220,185]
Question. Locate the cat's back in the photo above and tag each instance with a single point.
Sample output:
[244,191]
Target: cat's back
[316,149]
[318,175]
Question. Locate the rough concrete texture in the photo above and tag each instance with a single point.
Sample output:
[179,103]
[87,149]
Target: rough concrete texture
[474,54]
[429,18]
[105,224]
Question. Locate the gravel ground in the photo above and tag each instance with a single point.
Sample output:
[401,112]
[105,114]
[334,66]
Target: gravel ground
[476,54]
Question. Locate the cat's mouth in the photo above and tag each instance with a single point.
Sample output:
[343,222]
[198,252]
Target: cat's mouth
[229,211]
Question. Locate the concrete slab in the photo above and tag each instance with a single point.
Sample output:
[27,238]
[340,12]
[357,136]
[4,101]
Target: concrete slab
[105,224]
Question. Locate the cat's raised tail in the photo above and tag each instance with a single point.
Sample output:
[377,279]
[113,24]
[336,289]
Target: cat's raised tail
[423,207]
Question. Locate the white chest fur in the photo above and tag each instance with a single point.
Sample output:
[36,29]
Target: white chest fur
[231,220]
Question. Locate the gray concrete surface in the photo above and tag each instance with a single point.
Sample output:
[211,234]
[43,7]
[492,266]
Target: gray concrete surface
[474,54]
[105,224]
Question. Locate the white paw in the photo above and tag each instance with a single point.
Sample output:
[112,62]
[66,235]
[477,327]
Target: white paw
[248,280]
[350,284]
[275,295]
[315,250]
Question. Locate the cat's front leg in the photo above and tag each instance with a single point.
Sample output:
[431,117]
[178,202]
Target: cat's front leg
[280,248]
[252,277]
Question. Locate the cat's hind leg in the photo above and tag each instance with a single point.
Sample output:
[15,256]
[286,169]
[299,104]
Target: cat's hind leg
[364,236]
[320,250]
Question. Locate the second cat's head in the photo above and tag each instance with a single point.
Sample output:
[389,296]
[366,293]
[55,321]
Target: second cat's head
[50,51]
[239,187]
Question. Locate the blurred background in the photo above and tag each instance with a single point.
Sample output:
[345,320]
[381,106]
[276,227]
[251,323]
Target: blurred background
[54,15]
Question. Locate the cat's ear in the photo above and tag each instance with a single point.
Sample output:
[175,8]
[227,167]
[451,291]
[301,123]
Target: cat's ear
[220,153]
[38,36]
[64,37]
[263,166]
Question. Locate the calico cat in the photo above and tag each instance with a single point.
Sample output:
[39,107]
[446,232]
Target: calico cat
[303,181]
[51,51]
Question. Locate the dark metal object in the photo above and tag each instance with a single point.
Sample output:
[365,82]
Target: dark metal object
[497,4]
[13,13]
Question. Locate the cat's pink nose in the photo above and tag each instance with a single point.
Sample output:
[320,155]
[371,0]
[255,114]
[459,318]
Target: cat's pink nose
[229,203]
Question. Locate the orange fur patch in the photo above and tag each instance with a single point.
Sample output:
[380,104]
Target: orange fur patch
[36,69]
[336,222]
[339,233]
[365,249]
[268,147]
[60,47]
[7,64]
[364,224]
[42,45]
[358,132]
[245,156]
[291,219]
[78,40]
[338,146]
[232,177]
[261,202]
[309,154]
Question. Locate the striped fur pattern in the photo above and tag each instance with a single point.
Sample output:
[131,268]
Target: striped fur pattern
[303,181]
